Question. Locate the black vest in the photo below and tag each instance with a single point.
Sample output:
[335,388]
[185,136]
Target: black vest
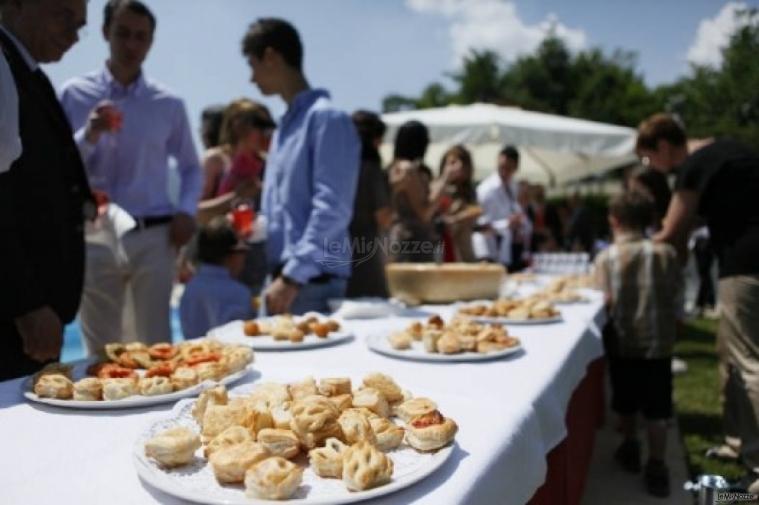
[42,201]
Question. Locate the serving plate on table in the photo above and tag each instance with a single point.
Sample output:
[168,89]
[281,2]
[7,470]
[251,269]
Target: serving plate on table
[233,333]
[380,344]
[196,482]
[134,401]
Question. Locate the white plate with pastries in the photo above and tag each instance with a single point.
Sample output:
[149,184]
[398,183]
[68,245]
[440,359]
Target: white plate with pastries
[289,337]
[459,339]
[134,401]
[417,352]
[217,461]
[188,368]
[505,320]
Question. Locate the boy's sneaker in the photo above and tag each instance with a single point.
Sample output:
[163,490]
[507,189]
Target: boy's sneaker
[657,478]
[628,455]
[723,452]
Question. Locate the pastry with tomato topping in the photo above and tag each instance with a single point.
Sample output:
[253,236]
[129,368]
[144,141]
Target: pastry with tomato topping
[430,431]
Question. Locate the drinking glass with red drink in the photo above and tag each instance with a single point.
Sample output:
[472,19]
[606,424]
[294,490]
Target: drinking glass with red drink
[242,217]
[114,117]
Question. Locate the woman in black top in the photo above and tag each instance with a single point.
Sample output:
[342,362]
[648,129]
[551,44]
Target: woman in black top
[719,182]
[371,212]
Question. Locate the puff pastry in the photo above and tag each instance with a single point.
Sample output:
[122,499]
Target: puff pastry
[273,479]
[414,407]
[363,411]
[282,443]
[218,418]
[211,370]
[235,358]
[53,368]
[118,389]
[400,340]
[230,463]
[448,344]
[88,389]
[281,415]
[212,396]
[342,402]
[430,339]
[270,394]
[184,377]
[307,387]
[173,447]
[152,386]
[416,330]
[256,418]
[365,466]
[430,431]
[231,436]
[314,420]
[355,427]
[327,461]
[387,434]
[335,386]
[372,400]
[385,385]
[54,386]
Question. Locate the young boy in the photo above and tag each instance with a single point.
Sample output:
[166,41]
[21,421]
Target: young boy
[640,280]
[213,296]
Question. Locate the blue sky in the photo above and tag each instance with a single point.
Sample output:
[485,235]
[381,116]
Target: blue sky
[362,50]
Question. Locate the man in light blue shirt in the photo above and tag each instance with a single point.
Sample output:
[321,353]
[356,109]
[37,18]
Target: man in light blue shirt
[128,128]
[213,297]
[310,179]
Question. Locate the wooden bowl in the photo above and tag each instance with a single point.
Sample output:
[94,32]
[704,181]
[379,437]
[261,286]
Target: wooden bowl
[416,283]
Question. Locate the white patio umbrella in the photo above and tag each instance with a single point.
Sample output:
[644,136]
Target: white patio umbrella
[554,150]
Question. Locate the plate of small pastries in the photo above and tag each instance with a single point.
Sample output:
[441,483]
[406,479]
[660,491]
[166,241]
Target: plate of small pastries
[282,333]
[563,297]
[565,290]
[463,339]
[331,441]
[530,310]
[137,375]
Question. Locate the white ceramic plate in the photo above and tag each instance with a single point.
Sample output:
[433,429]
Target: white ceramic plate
[380,344]
[131,401]
[196,482]
[573,302]
[506,321]
[232,333]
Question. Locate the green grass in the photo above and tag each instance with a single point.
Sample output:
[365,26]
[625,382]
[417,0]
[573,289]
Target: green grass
[697,401]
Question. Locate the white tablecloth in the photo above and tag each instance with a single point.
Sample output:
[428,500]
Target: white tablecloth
[510,414]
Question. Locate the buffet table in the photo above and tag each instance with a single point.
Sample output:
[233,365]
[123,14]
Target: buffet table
[511,412]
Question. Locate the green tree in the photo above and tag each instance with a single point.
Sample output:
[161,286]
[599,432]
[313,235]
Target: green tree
[722,101]
[479,78]
[397,103]
[608,89]
[434,95]
[542,81]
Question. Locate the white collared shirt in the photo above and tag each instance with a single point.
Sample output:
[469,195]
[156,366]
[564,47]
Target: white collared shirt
[498,205]
[132,164]
[10,142]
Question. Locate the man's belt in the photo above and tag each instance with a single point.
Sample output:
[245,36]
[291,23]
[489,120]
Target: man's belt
[323,278]
[149,221]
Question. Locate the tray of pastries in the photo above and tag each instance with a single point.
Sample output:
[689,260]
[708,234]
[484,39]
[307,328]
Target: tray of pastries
[328,441]
[281,333]
[137,375]
[463,339]
[530,310]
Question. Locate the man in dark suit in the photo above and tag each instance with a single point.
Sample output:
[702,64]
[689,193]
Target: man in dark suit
[44,197]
